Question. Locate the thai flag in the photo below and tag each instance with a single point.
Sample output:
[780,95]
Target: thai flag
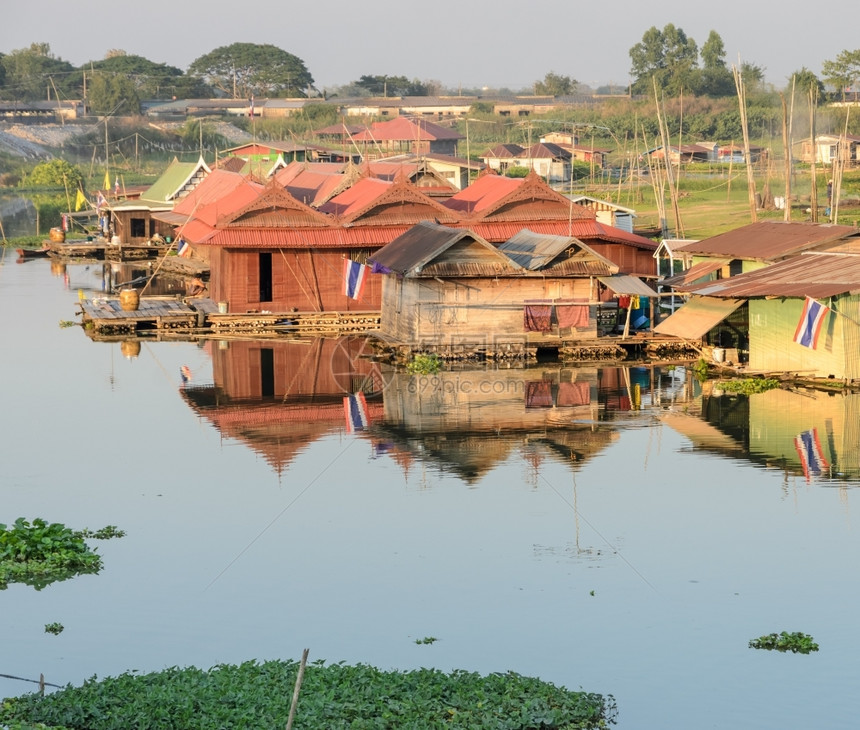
[185,374]
[184,249]
[355,410]
[116,186]
[101,201]
[353,276]
[810,323]
[809,450]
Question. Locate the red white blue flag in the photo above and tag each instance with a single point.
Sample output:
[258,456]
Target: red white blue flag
[355,410]
[353,277]
[183,249]
[810,323]
[811,456]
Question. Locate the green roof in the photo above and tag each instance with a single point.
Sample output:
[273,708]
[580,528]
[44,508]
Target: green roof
[164,191]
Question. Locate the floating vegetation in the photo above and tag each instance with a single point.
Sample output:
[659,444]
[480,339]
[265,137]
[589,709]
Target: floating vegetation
[424,364]
[40,553]
[55,628]
[797,642]
[427,640]
[252,695]
[749,386]
[67,323]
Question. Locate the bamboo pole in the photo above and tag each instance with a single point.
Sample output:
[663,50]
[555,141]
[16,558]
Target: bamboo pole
[813,191]
[670,173]
[786,143]
[742,106]
[299,678]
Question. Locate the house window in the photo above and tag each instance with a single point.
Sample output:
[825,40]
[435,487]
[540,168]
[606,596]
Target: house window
[265,277]
[138,228]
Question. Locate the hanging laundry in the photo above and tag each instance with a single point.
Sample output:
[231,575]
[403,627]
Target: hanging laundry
[537,317]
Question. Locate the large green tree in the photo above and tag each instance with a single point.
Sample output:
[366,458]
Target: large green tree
[554,84]
[716,79]
[110,94]
[242,70]
[35,73]
[803,81]
[151,80]
[668,57]
[843,71]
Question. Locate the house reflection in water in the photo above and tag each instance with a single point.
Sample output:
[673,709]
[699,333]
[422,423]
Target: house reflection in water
[808,433]
[279,396]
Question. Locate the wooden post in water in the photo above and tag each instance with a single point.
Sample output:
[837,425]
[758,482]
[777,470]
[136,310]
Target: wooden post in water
[813,192]
[299,678]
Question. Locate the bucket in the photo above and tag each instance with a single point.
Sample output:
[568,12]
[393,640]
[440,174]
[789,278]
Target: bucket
[129,300]
[115,241]
[58,235]
[719,354]
[222,307]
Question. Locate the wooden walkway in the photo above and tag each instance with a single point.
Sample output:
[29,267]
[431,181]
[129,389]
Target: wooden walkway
[105,316]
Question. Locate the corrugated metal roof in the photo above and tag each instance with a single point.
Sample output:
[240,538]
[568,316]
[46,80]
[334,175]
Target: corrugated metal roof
[624,284]
[697,316]
[417,247]
[694,273]
[406,130]
[770,240]
[536,251]
[813,274]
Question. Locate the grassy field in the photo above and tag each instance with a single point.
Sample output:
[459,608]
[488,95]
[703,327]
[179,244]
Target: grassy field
[712,201]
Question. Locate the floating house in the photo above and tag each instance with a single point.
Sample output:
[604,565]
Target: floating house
[448,286]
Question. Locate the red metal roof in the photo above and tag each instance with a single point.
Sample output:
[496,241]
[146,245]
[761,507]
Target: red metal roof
[770,240]
[482,194]
[403,129]
[363,193]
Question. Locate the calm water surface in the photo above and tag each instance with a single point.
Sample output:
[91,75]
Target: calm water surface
[609,529]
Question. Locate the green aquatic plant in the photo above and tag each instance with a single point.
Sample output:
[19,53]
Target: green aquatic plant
[427,640]
[55,628]
[797,642]
[425,364]
[64,323]
[41,553]
[254,695]
[700,370]
[749,386]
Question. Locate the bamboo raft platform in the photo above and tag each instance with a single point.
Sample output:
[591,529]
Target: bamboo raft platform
[197,317]
[102,250]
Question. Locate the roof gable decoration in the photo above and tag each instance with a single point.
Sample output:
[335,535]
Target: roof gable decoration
[177,180]
[531,189]
[399,192]
[274,208]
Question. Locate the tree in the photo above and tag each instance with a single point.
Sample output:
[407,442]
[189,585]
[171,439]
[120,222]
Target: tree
[34,73]
[392,86]
[113,94]
[716,79]
[151,80]
[242,70]
[57,174]
[667,57]
[843,71]
[803,81]
[554,84]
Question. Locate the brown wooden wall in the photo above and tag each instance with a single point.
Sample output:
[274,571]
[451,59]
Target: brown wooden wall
[302,280]
[123,226]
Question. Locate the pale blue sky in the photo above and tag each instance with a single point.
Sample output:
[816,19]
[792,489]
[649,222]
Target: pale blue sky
[470,42]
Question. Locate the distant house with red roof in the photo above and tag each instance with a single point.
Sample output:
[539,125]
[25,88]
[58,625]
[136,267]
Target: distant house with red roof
[502,156]
[400,135]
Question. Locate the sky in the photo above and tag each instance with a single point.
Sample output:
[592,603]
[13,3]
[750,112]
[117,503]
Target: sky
[461,43]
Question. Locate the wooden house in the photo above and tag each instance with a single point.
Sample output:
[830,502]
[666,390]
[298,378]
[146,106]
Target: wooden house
[759,317]
[608,212]
[829,148]
[501,157]
[135,220]
[446,286]
[402,135]
[551,161]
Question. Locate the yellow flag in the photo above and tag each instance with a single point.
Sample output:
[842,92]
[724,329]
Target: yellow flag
[107,182]
[80,200]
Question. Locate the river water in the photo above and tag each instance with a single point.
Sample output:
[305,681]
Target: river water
[618,530]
